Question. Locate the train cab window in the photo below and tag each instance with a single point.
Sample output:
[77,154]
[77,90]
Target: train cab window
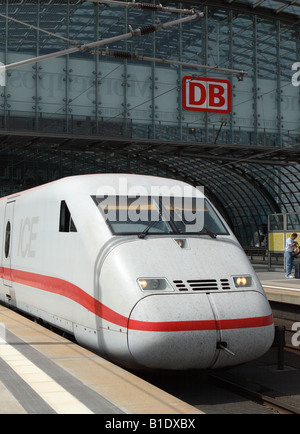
[66,223]
[7,239]
[161,215]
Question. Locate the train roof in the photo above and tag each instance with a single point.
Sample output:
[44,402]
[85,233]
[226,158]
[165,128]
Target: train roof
[118,184]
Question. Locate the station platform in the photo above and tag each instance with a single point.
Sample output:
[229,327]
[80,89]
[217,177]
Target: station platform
[44,373]
[277,287]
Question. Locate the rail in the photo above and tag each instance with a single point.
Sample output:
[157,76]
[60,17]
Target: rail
[256,396]
[249,389]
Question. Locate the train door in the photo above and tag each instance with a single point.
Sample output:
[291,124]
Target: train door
[7,245]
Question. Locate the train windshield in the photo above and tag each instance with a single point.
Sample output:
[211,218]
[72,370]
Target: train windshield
[159,215]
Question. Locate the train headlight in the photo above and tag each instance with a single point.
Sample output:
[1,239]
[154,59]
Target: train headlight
[242,281]
[154,285]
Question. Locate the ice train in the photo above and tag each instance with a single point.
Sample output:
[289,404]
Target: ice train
[143,270]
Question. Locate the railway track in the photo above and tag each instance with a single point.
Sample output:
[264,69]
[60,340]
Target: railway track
[190,387]
[253,395]
[283,347]
[292,349]
[261,387]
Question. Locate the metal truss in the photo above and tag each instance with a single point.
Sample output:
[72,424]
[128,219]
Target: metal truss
[247,176]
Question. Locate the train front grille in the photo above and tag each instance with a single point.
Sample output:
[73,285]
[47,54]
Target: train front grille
[202,285]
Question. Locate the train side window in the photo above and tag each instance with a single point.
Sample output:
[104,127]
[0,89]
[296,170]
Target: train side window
[7,239]
[66,223]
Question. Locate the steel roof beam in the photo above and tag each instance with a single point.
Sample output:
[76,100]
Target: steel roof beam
[286,6]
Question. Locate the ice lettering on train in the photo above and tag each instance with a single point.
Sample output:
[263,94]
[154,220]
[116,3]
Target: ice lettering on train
[28,234]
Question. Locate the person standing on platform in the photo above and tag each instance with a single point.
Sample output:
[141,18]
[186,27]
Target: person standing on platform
[289,248]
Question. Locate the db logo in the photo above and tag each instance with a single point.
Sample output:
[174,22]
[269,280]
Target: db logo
[206,94]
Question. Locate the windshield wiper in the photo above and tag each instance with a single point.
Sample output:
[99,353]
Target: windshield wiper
[145,231]
[208,232]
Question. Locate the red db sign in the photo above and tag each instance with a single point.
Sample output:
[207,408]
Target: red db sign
[206,94]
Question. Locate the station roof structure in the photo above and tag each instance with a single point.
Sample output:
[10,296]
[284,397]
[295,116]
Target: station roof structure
[248,174]
[287,10]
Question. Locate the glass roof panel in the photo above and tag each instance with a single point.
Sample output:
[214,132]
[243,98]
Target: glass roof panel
[288,6]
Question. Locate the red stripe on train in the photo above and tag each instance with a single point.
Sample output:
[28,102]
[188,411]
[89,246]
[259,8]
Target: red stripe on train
[66,289]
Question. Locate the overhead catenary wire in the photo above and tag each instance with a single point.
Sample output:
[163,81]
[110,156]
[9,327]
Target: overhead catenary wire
[87,47]
[135,56]
[146,6]
[165,61]
[124,55]
[210,68]
[31,26]
[240,160]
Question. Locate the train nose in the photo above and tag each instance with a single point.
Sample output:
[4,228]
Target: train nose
[199,331]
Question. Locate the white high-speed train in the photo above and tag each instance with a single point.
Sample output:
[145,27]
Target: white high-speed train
[143,270]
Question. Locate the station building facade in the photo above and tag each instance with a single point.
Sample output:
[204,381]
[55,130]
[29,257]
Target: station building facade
[109,93]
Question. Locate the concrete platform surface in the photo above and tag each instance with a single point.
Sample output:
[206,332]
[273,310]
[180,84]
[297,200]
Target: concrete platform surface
[42,372]
[277,287]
